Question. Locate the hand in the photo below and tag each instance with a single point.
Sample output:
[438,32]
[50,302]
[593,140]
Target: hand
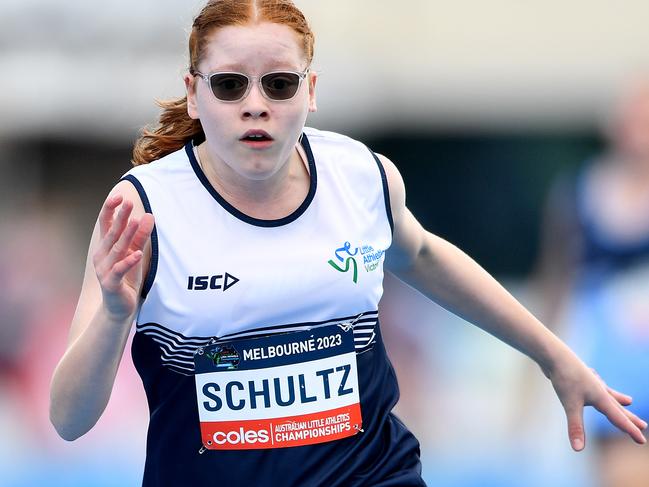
[577,386]
[118,258]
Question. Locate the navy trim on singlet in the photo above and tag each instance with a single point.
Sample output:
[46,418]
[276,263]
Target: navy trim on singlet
[153,267]
[386,190]
[258,221]
[299,324]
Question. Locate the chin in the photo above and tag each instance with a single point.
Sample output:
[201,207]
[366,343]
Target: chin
[258,172]
[261,165]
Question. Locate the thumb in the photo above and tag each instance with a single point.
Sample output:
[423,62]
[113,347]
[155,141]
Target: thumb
[576,427]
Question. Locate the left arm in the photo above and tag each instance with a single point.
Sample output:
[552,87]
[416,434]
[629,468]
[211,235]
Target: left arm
[445,274]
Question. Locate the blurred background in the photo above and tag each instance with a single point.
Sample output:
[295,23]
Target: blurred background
[521,130]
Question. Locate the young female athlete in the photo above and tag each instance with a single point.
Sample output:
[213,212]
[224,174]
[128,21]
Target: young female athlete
[255,292]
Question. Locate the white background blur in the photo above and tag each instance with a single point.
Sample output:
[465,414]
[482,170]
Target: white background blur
[93,68]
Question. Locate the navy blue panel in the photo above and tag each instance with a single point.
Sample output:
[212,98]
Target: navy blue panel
[386,190]
[258,221]
[385,454]
[153,267]
[177,350]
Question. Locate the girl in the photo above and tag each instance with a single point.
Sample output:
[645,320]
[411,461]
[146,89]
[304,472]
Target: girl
[255,293]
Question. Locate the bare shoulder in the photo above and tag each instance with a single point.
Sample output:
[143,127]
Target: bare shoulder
[396,186]
[128,192]
[408,235]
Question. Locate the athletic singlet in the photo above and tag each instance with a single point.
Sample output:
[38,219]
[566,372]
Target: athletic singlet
[218,275]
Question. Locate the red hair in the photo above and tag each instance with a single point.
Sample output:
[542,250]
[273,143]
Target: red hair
[175,127]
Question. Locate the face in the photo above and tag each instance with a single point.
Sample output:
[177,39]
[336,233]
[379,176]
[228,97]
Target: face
[254,50]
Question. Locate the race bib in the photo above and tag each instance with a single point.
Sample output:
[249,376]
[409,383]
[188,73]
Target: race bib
[285,390]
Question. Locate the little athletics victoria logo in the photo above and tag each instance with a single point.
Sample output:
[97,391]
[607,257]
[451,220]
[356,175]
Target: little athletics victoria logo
[347,259]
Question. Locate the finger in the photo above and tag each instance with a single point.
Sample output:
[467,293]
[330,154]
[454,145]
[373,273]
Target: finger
[640,423]
[120,249]
[616,414]
[576,427]
[623,399]
[143,232]
[117,227]
[104,263]
[106,213]
[121,268]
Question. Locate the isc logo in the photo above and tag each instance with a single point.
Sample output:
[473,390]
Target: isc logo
[219,281]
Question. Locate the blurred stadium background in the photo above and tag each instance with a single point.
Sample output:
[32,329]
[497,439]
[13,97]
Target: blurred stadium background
[480,104]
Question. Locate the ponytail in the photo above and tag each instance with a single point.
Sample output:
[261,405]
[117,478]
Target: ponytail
[175,129]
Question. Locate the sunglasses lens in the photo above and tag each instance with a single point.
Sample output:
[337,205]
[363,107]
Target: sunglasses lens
[228,86]
[280,86]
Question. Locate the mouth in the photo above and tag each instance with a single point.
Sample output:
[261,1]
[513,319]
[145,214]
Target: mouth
[257,139]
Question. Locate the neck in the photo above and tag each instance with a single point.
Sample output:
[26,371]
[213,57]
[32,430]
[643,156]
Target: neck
[279,194]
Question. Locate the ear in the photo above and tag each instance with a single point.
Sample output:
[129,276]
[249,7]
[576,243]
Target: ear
[313,78]
[190,87]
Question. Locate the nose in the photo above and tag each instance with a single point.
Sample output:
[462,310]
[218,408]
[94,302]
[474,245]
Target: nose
[255,105]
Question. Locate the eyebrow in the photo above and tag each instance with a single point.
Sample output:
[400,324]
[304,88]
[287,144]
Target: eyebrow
[271,66]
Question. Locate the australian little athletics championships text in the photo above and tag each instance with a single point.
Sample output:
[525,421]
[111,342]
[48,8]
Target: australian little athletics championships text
[314,423]
[311,433]
[261,437]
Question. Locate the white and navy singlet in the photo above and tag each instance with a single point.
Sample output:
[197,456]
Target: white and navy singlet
[258,341]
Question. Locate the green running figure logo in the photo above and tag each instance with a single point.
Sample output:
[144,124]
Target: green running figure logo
[349,262]
[371,259]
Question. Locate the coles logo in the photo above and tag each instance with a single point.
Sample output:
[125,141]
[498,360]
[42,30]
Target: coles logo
[241,437]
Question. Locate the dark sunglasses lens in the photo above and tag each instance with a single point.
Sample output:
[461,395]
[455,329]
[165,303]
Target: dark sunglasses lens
[229,86]
[280,86]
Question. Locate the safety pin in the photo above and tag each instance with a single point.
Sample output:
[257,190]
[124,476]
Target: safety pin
[347,326]
[204,448]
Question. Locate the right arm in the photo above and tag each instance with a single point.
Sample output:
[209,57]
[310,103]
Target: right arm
[118,259]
